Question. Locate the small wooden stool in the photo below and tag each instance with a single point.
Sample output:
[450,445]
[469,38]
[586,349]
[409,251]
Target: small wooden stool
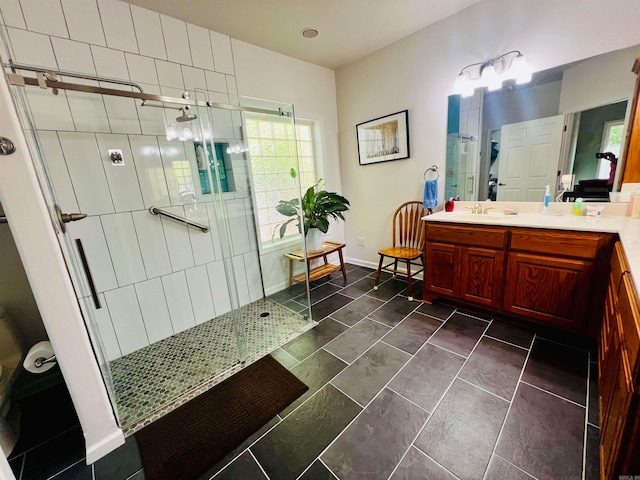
[320,271]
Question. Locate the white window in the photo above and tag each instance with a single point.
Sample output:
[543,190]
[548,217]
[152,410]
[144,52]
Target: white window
[611,142]
[272,153]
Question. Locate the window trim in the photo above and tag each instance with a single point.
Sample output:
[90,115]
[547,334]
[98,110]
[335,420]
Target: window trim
[289,242]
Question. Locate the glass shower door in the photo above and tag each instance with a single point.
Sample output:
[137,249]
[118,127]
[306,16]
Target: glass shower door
[148,284]
[255,263]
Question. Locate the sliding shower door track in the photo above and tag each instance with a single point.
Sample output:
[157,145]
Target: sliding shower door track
[48,79]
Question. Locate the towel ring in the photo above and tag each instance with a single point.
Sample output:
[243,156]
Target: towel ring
[432,170]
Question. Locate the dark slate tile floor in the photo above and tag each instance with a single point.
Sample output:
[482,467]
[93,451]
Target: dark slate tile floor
[397,390]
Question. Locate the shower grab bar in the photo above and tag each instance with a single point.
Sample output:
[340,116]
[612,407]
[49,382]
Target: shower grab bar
[158,211]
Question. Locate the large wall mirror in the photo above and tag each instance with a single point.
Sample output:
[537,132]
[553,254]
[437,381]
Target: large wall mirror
[509,144]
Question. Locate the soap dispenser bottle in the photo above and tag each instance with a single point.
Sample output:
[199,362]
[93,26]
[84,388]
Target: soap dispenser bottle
[547,199]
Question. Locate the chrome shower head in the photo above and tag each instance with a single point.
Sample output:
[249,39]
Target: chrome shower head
[186,116]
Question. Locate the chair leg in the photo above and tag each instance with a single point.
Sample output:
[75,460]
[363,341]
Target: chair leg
[395,268]
[375,284]
[409,279]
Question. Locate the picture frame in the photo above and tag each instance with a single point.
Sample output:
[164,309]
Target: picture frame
[383,139]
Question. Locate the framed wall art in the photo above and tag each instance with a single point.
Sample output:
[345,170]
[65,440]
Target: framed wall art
[383,139]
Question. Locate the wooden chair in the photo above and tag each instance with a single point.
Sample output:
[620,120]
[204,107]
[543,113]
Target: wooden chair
[408,242]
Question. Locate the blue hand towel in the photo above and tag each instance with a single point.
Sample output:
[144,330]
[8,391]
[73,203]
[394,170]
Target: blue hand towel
[430,194]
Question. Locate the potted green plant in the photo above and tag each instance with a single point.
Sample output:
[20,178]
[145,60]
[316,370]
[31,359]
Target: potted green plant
[315,209]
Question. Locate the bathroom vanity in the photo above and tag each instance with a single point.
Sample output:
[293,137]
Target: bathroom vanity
[551,277]
[572,273]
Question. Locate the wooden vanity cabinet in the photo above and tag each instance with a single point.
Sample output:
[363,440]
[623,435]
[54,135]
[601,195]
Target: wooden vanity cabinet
[466,263]
[550,277]
[618,374]
[552,290]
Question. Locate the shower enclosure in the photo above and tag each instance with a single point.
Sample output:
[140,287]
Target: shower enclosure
[177,288]
[461,167]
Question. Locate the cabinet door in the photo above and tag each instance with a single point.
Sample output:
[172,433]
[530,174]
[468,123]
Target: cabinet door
[615,392]
[552,290]
[440,268]
[481,272]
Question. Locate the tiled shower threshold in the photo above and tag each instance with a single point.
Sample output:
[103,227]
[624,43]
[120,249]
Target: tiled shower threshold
[157,379]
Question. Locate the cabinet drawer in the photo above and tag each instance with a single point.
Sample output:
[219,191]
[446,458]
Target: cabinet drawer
[472,236]
[566,244]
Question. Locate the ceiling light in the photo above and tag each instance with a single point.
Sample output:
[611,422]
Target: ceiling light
[309,32]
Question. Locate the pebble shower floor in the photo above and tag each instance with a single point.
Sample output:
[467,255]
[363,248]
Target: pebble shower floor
[155,380]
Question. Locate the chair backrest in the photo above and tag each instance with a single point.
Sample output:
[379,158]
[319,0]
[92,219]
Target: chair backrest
[408,228]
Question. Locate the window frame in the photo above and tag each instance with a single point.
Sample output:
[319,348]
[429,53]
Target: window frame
[292,240]
[602,170]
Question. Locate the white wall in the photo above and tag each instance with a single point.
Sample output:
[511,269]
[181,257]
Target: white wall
[418,72]
[599,81]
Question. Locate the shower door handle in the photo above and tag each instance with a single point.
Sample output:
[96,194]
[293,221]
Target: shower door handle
[87,272]
[67,217]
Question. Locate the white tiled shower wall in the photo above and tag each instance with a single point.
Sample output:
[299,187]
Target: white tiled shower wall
[155,277]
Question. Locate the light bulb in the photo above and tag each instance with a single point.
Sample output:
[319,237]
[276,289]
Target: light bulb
[491,79]
[520,70]
[463,82]
[469,88]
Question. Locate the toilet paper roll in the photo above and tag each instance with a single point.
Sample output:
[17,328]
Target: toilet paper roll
[42,351]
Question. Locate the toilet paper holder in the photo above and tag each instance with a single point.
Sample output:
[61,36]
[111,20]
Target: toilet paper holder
[40,358]
[40,361]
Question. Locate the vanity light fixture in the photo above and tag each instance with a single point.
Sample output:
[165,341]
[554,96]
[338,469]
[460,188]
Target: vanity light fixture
[237,149]
[509,66]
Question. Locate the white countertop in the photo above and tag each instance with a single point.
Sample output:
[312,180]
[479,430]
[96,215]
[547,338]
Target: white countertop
[627,228]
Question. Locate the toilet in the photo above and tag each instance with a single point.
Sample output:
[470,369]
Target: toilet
[11,355]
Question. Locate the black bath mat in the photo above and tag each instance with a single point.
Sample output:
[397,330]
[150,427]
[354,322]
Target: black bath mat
[185,443]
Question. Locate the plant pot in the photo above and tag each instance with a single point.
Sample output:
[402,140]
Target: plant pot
[314,240]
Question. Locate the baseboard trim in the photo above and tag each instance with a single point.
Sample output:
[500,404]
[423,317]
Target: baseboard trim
[361,263]
[374,265]
[108,444]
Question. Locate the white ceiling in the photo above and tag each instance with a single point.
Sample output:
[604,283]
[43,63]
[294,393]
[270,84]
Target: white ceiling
[349,29]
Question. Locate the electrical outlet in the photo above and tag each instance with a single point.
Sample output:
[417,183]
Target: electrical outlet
[361,241]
